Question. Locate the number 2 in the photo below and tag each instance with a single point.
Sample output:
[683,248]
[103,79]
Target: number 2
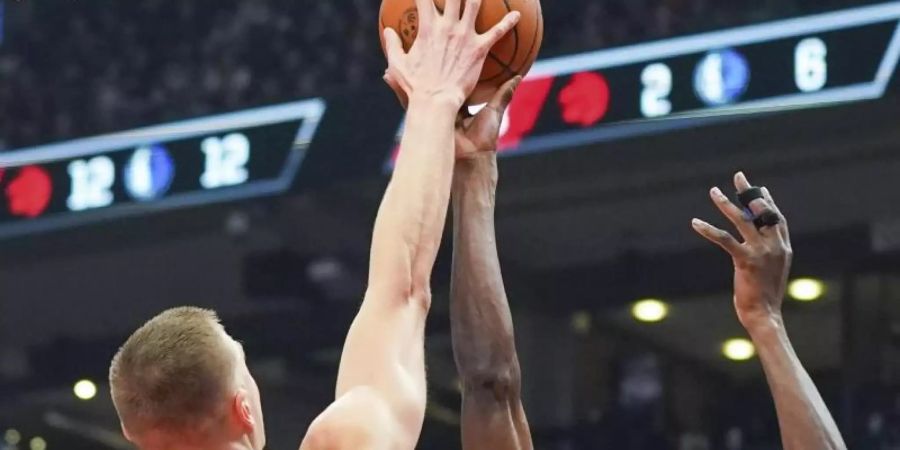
[657,80]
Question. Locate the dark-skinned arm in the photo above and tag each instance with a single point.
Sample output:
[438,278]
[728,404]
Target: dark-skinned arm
[493,417]
[762,264]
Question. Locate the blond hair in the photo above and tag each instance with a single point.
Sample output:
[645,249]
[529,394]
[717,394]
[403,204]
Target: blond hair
[174,374]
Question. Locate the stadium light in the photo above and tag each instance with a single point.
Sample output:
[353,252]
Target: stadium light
[650,310]
[85,390]
[12,437]
[37,443]
[738,349]
[806,289]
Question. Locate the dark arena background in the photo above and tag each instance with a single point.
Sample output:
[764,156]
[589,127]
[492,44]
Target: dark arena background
[231,154]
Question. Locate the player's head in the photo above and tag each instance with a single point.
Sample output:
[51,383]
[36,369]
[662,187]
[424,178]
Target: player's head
[180,381]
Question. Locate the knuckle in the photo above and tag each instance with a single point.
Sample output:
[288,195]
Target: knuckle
[745,263]
[753,263]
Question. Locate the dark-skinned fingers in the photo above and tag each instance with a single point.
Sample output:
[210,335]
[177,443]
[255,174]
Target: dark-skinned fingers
[758,207]
[719,237]
[741,183]
[734,214]
[501,99]
[783,229]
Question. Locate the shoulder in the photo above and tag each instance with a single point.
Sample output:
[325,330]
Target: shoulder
[360,419]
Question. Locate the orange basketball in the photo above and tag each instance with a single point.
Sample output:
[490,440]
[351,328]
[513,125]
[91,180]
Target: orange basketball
[512,56]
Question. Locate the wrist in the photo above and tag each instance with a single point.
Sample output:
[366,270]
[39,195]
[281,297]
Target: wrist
[476,171]
[759,325]
[439,99]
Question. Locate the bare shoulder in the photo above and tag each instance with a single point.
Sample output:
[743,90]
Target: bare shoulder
[361,419]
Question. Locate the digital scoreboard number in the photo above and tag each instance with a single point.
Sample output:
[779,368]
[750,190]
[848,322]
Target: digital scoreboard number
[222,158]
[837,57]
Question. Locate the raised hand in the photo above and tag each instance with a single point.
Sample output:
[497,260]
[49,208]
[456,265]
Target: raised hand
[446,59]
[761,266]
[761,262]
[479,133]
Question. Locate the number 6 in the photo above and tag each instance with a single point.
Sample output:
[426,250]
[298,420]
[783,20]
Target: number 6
[810,65]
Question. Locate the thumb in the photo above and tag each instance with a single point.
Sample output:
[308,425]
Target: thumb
[393,46]
[395,86]
[504,95]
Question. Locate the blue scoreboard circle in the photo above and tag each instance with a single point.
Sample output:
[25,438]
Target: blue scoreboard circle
[149,173]
[722,77]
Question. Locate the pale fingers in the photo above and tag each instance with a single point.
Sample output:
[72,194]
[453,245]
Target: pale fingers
[395,86]
[501,29]
[471,13]
[393,46]
[451,9]
[427,11]
[719,237]
[734,214]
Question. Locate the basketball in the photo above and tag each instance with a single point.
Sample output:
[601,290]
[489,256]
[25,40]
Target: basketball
[511,56]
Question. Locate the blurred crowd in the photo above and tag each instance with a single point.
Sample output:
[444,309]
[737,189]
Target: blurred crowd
[72,68]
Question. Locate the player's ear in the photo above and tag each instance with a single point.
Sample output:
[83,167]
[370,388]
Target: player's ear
[241,410]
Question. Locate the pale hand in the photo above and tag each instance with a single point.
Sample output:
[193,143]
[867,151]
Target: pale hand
[446,59]
[761,263]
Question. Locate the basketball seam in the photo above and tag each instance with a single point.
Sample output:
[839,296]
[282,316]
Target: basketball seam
[505,67]
[515,31]
[537,31]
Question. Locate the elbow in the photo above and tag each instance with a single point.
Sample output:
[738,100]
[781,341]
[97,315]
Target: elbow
[421,298]
[501,384]
[332,435]
[401,292]
[320,436]
[419,292]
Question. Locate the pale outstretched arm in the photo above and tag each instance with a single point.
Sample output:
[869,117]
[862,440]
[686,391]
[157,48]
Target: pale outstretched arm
[381,390]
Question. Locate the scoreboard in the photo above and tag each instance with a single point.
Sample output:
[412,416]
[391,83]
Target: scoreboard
[806,62]
[842,56]
[571,101]
[220,158]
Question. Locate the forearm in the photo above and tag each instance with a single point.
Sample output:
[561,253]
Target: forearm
[389,329]
[805,421]
[482,329]
[411,218]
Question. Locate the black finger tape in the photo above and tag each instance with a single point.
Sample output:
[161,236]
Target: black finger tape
[747,197]
[768,218]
